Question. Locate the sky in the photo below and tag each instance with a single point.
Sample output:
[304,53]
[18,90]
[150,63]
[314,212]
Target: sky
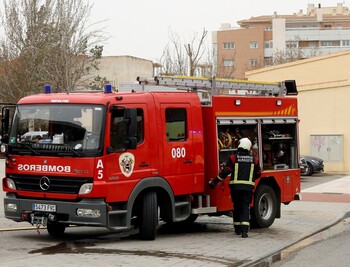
[141,28]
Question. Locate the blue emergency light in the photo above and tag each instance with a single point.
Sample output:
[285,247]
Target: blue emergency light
[47,89]
[108,88]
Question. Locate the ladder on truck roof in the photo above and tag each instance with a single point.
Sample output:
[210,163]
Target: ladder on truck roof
[206,88]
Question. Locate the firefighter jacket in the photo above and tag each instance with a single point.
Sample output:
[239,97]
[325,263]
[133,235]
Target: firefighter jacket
[244,169]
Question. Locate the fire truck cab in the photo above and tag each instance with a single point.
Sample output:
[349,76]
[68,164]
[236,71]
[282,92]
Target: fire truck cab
[125,159]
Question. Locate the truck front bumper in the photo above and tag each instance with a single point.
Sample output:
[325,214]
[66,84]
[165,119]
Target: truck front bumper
[75,213]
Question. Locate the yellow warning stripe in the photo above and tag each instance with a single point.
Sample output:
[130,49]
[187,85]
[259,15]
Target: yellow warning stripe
[230,113]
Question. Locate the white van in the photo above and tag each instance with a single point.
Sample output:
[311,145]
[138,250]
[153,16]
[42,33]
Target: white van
[30,136]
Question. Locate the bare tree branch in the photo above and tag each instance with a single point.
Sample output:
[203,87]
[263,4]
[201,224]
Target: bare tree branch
[183,58]
[46,41]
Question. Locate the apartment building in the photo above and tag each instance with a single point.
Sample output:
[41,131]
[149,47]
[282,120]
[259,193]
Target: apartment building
[270,40]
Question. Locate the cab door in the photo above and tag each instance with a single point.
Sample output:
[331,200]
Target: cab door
[126,167]
[177,141]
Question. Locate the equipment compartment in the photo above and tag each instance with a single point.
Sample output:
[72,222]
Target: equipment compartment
[278,138]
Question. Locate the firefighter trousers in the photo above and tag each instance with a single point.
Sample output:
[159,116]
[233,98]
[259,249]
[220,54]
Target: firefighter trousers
[241,214]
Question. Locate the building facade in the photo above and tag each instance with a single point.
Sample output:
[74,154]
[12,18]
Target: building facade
[270,40]
[120,69]
[324,90]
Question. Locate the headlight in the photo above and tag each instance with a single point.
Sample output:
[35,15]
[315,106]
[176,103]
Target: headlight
[3,148]
[10,184]
[10,207]
[86,188]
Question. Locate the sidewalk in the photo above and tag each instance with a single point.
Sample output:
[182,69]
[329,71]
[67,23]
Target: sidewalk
[335,191]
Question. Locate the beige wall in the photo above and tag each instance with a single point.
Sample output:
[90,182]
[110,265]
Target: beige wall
[124,69]
[324,93]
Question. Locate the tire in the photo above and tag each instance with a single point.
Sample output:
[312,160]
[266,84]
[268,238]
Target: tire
[309,170]
[264,211]
[56,229]
[148,218]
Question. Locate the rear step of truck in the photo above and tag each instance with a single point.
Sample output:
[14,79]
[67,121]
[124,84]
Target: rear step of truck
[203,205]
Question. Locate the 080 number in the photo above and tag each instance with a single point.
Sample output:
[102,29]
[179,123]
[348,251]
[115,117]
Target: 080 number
[178,152]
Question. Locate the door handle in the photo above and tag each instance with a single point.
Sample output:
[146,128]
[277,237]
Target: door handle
[143,164]
[188,161]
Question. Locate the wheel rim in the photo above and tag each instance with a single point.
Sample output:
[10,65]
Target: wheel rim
[265,206]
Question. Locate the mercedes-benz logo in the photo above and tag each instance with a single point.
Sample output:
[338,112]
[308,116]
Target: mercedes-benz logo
[44,183]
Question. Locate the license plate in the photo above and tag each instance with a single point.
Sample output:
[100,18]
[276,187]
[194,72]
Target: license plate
[44,207]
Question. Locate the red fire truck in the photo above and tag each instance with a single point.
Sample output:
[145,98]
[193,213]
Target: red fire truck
[128,159]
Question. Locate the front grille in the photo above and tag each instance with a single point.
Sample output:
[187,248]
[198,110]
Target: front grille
[58,184]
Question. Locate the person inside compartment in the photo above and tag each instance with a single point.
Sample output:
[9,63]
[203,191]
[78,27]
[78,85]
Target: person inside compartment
[280,153]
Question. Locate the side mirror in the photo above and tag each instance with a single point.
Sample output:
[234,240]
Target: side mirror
[5,121]
[5,139]
[7,112]
[130,120]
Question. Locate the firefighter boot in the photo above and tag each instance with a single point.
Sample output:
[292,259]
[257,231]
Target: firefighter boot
[238,229]
[245,231]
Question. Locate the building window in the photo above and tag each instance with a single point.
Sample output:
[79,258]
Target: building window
[253,62]
[330,43]
[312,44]
[268,28]
[292,44]
[229,45]
[229,63]
[345,42]
[268,61]
[268,44]
[253,45]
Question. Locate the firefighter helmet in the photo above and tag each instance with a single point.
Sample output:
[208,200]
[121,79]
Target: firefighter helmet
[245,143]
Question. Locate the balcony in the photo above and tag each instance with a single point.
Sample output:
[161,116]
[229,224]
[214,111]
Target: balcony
[317,34]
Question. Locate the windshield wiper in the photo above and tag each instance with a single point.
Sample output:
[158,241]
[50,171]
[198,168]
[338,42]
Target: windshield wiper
[71,150]
[29,148]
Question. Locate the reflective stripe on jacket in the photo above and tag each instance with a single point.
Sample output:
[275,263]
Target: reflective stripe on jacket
[244,169]
[236,180]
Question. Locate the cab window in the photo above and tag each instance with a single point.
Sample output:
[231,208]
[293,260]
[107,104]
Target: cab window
[176,124]
[118,128]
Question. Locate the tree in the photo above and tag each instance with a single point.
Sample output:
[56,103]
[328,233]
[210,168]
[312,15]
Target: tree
[183,58]
[46,41]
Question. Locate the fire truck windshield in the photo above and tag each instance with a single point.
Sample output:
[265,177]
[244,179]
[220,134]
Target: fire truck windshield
[70,129]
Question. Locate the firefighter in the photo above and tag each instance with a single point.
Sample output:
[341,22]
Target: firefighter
[244,169]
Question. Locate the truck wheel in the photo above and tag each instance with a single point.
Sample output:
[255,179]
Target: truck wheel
[264,211]
[149,217]
[56,229]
